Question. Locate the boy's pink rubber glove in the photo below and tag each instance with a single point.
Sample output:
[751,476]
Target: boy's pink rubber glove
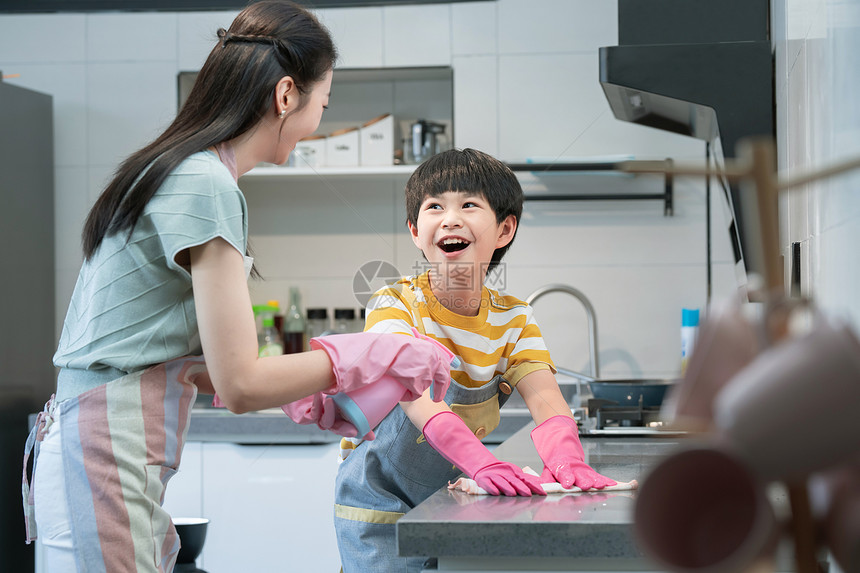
[450,436]
[557,443]
[362,358]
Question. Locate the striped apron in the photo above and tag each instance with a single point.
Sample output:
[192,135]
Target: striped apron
[121,443]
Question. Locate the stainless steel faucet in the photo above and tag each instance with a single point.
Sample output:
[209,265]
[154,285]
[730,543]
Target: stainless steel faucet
[592,324]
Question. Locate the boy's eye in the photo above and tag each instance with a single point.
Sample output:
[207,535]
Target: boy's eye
[430,206]
[470,204]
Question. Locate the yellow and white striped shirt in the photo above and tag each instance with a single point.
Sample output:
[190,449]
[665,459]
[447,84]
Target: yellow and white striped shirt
[502,339]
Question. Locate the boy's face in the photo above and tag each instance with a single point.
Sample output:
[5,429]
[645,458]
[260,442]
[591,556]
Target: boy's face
[460,229]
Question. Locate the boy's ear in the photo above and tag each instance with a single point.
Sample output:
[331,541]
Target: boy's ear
[507,229]
[413,232]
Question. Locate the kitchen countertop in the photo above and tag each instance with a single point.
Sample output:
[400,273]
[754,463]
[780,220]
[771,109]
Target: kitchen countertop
[272,426]
[263,427]
[588,531]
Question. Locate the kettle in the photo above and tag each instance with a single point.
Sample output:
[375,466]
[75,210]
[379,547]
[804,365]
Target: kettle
[428,138]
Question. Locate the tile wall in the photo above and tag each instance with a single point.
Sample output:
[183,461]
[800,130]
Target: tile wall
[818,124]
[525,86]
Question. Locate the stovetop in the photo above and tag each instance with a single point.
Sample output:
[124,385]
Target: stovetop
[605,417]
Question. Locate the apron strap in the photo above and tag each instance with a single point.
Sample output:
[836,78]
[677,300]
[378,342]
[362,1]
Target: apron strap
[44,420]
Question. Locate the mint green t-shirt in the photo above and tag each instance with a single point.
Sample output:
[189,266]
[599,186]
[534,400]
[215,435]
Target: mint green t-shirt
[133,306]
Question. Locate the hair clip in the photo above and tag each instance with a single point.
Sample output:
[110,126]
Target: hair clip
[224,35]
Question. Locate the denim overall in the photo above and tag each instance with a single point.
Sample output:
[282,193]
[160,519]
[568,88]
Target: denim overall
[391,475]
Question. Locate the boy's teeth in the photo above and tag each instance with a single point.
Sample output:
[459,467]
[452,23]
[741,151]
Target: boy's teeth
[453,244]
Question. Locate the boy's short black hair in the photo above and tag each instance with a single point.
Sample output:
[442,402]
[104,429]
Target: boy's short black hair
[472,171]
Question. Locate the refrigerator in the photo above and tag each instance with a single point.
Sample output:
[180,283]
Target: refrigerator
[27,339]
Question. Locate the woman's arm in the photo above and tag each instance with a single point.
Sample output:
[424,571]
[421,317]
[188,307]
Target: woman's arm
[542,396]
[228,335]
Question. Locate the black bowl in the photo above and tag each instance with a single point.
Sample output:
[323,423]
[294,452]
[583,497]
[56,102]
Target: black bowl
[192,534]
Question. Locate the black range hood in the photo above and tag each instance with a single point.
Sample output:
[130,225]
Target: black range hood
[695,67]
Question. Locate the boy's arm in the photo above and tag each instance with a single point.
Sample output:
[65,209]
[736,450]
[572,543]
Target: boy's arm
[421,410]
[448,434]
[556,436]
[539,390]
[542,396]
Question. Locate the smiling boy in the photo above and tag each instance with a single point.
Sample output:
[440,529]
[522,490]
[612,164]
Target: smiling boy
[463,209]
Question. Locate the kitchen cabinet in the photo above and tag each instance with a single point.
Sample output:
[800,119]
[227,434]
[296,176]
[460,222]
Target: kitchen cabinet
[270,506]
[267,485]
[409,94]
[359,95]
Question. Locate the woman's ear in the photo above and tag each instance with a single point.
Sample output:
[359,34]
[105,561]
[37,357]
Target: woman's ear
[286,96]
[507,230]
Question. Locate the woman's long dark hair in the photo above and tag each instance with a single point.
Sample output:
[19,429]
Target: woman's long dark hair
[233,91]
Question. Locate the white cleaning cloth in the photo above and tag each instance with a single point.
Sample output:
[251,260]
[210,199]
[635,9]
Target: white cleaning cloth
[470,486]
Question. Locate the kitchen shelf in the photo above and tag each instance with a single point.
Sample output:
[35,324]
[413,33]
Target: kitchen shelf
[401,171]
[393,171]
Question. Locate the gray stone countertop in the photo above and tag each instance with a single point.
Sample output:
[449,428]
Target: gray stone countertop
[272,426]
[583,525]
[264,427]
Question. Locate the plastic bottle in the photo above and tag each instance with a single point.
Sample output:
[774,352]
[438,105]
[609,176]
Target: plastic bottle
[269,342]
[279,318]
[366,407]
[294,324]
[317,322]
[689,330]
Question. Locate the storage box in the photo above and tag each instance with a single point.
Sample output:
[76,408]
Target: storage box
[341,149]
[377,141]
[309,152]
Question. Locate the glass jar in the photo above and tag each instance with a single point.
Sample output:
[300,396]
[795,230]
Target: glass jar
[318,323]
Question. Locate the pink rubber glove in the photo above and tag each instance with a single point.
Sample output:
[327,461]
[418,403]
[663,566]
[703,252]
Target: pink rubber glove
[363,358]
[321,410]
[450,436]
[557,443]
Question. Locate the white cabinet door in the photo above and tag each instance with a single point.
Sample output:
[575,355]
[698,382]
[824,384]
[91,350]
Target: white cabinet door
[270,508]
[184,496]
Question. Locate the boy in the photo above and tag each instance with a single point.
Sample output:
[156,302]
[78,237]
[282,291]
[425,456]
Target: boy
[463,207]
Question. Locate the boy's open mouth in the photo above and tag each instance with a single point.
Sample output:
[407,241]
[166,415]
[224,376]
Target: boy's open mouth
[452,245]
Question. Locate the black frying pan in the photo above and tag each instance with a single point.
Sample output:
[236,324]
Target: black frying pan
[626,392]
[629,392]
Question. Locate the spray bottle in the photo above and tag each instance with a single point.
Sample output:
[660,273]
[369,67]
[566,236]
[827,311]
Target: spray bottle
[689,330]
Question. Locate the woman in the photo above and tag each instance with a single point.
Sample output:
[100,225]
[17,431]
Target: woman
[164,278]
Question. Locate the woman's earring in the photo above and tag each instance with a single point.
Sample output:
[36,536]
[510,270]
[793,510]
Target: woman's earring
[282,114]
